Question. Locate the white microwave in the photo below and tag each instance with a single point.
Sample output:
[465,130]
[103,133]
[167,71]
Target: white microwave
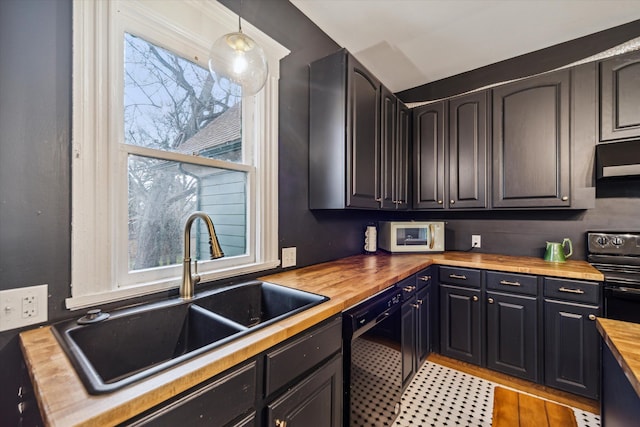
[414,236]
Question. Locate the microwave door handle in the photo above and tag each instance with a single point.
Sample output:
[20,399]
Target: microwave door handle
[431,235]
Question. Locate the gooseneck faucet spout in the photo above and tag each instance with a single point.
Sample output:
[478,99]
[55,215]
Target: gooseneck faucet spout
[189,280]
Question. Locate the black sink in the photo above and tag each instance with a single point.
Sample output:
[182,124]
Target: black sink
[258,303]
[135,343]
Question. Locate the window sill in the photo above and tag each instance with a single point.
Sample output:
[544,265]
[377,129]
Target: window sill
[85,301]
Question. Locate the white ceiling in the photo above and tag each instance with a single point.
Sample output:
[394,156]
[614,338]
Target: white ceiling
[407,43]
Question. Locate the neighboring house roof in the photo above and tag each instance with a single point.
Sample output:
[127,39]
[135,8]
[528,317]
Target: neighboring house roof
[223,129]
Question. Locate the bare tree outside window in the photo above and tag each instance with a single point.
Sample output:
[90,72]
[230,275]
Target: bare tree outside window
[173,105]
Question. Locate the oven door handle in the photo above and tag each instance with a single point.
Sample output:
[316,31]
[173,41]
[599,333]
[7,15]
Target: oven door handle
[383,316]
[623,291]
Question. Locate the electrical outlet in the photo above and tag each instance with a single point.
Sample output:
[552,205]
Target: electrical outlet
[23,306]
[289,257]
[475,241]
[29,306]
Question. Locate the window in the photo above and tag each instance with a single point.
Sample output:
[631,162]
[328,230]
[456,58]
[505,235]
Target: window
[155,139]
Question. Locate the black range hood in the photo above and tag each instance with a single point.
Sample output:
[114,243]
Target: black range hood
[618,159]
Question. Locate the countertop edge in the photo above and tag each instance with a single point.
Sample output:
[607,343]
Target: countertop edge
[571,269]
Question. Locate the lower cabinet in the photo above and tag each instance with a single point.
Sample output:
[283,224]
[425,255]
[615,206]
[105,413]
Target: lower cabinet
[540,329]
[491,319]
[424,332]
[416,323]
[315,401]
[226,401]
[302,388]
[512,334]
[461,326]
[408,319]
[572,343]
[296,383]
[572,349]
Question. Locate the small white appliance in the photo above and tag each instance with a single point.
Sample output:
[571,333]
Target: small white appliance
[411,236]
[371,239]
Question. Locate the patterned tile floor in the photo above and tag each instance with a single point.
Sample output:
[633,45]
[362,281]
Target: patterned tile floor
[373,396]
[440,396]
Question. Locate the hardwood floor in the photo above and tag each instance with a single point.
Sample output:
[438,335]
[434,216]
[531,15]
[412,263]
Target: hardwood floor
[542,391]
[512,408]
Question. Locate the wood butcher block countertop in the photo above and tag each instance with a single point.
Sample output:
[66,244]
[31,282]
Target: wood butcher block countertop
[581,270]
[623,339]
[64,401]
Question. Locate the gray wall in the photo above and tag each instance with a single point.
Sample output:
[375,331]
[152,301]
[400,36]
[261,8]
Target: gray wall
[35,128]
[35,110]
[525,233]
[326,235]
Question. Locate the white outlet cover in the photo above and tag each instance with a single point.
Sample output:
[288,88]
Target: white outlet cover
[289,257]
[23,306]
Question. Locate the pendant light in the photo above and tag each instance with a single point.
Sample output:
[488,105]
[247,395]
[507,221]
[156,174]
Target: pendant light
[236,60]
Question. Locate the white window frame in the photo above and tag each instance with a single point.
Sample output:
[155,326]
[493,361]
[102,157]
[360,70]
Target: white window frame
[99,254]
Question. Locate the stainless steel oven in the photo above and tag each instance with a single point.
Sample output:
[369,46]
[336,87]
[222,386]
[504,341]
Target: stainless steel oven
[617,256]
[373,360]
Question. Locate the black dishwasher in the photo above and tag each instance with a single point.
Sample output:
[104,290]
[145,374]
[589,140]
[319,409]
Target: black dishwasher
[373,360]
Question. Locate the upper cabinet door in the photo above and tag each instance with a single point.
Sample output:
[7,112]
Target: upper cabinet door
[344,134]
[429,156]
[388,133]
[620,95]
[401,175]
[364,152]
[394,140]
[531,165]
[468,151]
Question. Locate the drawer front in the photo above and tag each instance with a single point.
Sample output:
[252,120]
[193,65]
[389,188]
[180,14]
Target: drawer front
[572,290]
[408,287]
[216,403]
[509,282]
[288,362]
[460,276]
[424,278]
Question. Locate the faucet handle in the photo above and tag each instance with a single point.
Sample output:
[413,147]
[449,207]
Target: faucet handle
[196,276]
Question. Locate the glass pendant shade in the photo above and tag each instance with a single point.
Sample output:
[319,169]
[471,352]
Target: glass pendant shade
[237,60]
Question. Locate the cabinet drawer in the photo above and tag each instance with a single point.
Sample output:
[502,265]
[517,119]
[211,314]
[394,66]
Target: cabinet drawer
[460,276]
[217,403]
[509,282]
[293,359]
[408,287]
[572,290]
[424,278]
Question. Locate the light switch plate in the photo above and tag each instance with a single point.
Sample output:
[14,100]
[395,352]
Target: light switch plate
[23,306]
